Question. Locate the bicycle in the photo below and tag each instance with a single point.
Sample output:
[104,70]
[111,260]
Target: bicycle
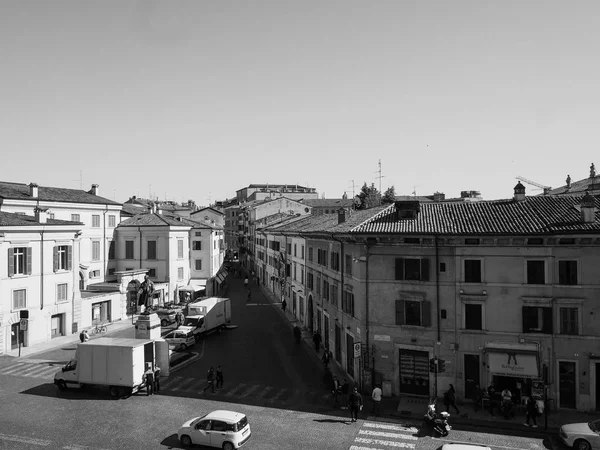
[99,329]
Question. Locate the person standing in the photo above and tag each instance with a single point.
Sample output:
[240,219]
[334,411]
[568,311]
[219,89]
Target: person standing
[317,340]
[210,378]
[356,404]
[219,377]
[506,403]
[325,359]
[246,282]
[156,379]
[149,374]
[249,297]
[335,391]
[84,336]
[531,412]
[376,396]
[283,305]
[450,399]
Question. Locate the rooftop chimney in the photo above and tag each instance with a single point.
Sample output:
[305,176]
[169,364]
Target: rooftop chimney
[341,215]
[33,190]
[519,192]
[95,190]
[588,210]
[41,214]
[439,196]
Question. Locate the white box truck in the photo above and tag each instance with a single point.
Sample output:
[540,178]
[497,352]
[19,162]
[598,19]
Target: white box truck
[208,315]
[116,363]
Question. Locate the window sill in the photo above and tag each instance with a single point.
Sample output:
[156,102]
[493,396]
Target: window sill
[414,327]
[470,331]
[19,275]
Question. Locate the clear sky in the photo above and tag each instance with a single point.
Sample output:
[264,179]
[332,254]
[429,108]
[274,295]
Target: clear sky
[196,99]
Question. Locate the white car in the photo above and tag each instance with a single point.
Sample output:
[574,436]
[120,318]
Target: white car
[581,436]
[464,447]
[224,429]
[181,338]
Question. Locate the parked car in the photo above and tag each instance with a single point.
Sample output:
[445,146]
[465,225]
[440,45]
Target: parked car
[181,338]
[581,436]
[166,316]
[223,429]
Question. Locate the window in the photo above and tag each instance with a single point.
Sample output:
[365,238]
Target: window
[94,274]
[111,250]
[179,249]
[348,303]
[569,320]
[63,257]
[95,250]
[19,299]
[535,241]
[442,267]
[412,269]
[334,295]
[180,273]
[289,248]
[95,221]
[413,312]
[537,319]
[295,249]
[151,249]
[325,289]
[472,271]
[318,284]
[567,272]
[471,241]
[75,218]
[19,261]
[152,273]
[61,292]
[295,271]
[310,280]
[214,245]
[111,271]
[536,272]
[348,261]
[197,245]
[310,254]
[335,261]
[198,233]
[128,249]
[473,316]
[51,215]
[301,274]
[112,221]
[198,264]
[302,252]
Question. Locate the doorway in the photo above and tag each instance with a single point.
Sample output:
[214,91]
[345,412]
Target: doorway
[471,375]
[414,372]
[350,355]
[319,322]
[310,314]
[14,336]
[326,331]
[57,326]
[566,384]
[100,312]
[338,343]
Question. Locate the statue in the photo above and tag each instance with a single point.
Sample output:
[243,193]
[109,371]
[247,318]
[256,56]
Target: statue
[146,291]
[592,171]
[568,180]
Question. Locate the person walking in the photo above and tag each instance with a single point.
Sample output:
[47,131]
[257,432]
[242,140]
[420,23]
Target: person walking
[317,340]
[531,412]
[335,391]
[507,403]
[325,359]
[345,392]
[376,396]
[84,336]
[219,377]
[156,379]
[149,375]
[283,305]
[246,282]
[210,378]
[450,399]
[356,404]
[249,297]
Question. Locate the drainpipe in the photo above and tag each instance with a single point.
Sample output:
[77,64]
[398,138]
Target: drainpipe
[140,231]
[104,256]
[437,287]
[342,279]
[368,247]
[42,269]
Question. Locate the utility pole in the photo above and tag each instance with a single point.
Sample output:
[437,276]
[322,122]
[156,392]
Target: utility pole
[353,187]
[380,177]
[80,179]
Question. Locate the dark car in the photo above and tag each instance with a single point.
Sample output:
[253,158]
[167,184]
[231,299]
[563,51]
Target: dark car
[166,316]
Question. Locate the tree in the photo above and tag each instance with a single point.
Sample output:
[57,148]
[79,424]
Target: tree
[389,196]
[368,197]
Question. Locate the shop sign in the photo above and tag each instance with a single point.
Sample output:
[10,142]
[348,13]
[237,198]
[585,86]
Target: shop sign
[513,364]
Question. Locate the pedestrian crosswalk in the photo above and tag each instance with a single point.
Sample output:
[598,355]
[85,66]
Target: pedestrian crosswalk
[195,386]
[378,435]
[44,370]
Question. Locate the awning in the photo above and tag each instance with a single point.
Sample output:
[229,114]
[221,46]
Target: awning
[513,363]
[198,285]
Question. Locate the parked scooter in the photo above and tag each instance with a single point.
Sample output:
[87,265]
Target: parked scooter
[439,423]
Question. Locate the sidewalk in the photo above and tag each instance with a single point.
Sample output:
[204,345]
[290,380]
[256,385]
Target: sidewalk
[411,409]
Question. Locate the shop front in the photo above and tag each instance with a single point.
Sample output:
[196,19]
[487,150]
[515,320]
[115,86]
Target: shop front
[513,366]
[414,372]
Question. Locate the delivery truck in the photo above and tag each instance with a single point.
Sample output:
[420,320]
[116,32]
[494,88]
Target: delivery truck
[208,315]
[117,363]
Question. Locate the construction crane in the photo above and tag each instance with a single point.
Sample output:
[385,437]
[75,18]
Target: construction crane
[541,187]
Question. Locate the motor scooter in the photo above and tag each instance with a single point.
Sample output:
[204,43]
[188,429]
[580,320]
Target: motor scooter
[439,423]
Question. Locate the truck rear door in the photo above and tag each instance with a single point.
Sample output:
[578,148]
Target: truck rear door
[227,311]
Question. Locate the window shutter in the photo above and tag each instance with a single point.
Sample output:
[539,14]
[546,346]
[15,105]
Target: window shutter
[425,314]
[55,256]
[399,312]
[547,319]
[525,321]
[28,262]
[424,269]
[399,268]
[69,257]
[11,262]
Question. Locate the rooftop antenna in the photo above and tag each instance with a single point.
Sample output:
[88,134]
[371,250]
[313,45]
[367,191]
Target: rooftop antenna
[80,179]
[353,187]
[380,176]
[414,192]
[209,198]
[150,191]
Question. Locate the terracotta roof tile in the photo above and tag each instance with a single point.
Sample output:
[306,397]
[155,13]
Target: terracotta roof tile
[22,220]
[152,220]
[20,191]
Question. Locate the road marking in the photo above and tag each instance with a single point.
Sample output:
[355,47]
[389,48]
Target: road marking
[475,443]
[281,393]
[388,435]
[250,391]
[12,369]
[385,426]
[169,381]
[34,372]
[80,447]
[184,384]
[384,443]
[265,391]
[24,440]
[235,390]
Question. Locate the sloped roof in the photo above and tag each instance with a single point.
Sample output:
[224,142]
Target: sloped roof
[20,191]
[534,215]
[328,202]
[22,220]
[591,184]
[274,186]
[133,209]
[208,207]
[199,223]
[151,220]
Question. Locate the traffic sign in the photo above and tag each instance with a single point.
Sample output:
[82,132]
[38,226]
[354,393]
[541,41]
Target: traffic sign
[23,324]
[357,350]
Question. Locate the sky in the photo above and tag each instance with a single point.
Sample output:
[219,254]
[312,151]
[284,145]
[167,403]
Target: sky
[183,100]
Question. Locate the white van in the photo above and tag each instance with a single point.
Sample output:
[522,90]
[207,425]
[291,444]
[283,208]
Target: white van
[181,338]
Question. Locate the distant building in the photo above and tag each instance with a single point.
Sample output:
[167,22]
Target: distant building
[255,192]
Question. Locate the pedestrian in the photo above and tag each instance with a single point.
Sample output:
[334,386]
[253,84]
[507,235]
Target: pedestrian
[356,404]
[210,378]
[283,304]
[507,403]
[531,411]
[249,297]
[82,336]
[178,318]
[376,396]
[492,398]
[149,374]
[156,379]
[325,359]
[335,391]
[317,340]
[86,336]
[450,399]
[477,398]
[246,282]
[219,377]
[345,392]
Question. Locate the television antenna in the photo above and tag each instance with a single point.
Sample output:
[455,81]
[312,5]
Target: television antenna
[540,187]
[380,176]
[353,186]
